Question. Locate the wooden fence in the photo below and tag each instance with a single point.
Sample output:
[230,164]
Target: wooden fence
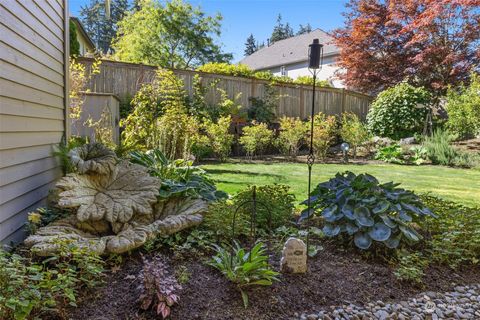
[124,80]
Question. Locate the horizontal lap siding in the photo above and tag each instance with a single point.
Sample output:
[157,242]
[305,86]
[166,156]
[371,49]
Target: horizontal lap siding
[32,107]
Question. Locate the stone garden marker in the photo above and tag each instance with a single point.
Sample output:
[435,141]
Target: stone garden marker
[294,256]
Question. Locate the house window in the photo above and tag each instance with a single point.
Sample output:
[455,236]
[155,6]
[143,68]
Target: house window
[283,71]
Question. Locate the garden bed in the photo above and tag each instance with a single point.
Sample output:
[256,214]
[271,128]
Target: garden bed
[335,277]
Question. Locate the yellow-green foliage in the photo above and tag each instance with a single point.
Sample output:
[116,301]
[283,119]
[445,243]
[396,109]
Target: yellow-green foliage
[236,70]
[324,131]
[353,131]
[307,80]
[159,118]
[219,136]
[292,135]
[256,137]
[463,107]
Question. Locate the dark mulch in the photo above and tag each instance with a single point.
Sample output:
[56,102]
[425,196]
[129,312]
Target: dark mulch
[335,277]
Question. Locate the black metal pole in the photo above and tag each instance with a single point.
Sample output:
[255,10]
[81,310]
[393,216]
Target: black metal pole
[310,160]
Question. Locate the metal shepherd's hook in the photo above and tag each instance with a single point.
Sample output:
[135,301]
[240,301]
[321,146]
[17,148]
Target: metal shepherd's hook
[315,55]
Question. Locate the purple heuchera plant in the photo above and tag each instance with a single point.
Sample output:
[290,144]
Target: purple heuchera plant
[159,287]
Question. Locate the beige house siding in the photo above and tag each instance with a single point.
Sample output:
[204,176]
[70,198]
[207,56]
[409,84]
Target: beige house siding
[33,64]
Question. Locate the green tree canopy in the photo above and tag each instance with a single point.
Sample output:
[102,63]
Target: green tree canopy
[174,34]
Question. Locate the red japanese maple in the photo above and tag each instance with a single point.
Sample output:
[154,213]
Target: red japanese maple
[433,43]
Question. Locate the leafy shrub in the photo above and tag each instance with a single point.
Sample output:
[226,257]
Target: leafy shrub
[324,130]
[353,131]
[159,118]
[398,112]
[291,136]
[391,154]
[178,177]
[455,234]
[33,290]
[256,137]
[439,148]
[360,206]
[219,219]
[411,267]
[274,199]
[219,136]
[159,287]
[467,160]
[463,107]
[263,109]
[176,133]
[244,268]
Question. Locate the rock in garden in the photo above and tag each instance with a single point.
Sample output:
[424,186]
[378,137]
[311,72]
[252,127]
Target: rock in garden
[294,256]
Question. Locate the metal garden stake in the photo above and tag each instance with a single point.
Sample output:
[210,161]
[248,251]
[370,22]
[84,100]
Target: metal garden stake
[315,57]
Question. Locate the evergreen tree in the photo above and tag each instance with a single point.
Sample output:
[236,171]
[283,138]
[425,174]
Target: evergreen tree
[250,45]
[288,31]
[278,32]
[304,29]
[74,44]
[281,31]
[100,29]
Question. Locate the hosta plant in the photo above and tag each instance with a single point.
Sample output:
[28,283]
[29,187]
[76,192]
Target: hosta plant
[244,268]
[366,210]
[178,177]
[159,288]
[391,154]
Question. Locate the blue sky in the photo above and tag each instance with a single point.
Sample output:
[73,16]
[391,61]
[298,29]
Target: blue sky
[242,17]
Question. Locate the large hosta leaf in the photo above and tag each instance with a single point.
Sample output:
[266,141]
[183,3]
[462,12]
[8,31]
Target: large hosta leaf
[362,240]
[93,158]
[381,207]
[410,233]
[114,197]
[331,230]
[362,214]
[393,242]
[380,232]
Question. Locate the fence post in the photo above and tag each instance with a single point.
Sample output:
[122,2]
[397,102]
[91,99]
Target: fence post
[342,108]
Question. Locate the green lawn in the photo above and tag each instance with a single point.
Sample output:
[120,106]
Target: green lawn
[460,185]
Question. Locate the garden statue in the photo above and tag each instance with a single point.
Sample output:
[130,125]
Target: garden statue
[114,206]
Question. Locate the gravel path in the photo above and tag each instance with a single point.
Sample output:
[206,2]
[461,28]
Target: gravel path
[462,303]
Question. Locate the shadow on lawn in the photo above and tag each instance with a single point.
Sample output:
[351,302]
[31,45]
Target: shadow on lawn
[247,173]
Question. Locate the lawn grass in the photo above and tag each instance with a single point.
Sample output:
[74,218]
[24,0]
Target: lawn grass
[460,185]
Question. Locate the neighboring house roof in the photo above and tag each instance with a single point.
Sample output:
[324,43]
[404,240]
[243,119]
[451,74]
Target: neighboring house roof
[84,33]
[291,50]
